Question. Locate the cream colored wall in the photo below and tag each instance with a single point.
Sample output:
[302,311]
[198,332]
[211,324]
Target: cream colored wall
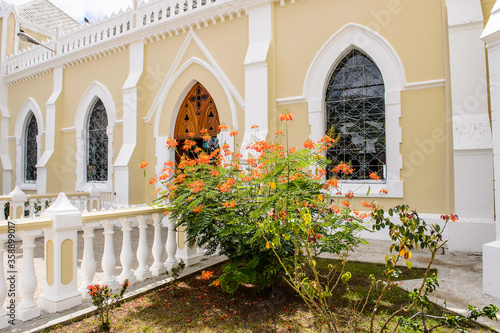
[487,7]
[227,43]
[11,30]
[111,71]
[40,89]
[421,49]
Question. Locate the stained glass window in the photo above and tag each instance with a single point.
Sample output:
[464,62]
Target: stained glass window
[355,110]
[97,157]
[30,150]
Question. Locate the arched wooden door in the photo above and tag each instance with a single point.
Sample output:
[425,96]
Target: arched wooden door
[198,112]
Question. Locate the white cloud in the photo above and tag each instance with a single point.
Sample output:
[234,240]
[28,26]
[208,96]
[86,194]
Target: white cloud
[92,9]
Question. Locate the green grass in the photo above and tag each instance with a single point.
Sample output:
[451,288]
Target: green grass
[198,307]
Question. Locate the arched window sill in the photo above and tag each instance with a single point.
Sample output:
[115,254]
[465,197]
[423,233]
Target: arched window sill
[371,190]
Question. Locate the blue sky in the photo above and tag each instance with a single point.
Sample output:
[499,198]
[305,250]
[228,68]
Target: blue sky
[85,8]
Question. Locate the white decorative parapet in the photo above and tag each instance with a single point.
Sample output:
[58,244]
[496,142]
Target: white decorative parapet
[60,224]
[109,28]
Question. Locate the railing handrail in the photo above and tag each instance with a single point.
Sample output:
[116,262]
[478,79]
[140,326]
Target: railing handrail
[54,195]
[114,214]
[31,223]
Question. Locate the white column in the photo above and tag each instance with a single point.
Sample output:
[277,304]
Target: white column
[61,289]
[472,145]
[88,266]
[129,123]
[142,273]
[171,245]
[126,255]
[108,258]
[158,268]
[491,251]
[256,74]
[4,320]
[28,308]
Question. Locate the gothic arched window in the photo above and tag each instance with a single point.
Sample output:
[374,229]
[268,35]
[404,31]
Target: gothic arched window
[97,144]
[30,149]
[355,110]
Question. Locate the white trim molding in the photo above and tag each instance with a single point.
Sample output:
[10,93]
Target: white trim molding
[19,132]
[355,36]
[94,91]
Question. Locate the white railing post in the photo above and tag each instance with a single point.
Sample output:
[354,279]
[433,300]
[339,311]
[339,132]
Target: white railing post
[186,251]
[17,203]
[108,258]
[126,255]
[94,198]
[28,308]
[171,245]
[61,289]
[158,268]
[32,207]
[4,319]
[88,266]
[143,272]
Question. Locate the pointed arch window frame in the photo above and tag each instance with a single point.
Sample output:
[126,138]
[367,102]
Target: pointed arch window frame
[29,107]
[95,91]
[355,109]
[93,131]
[377,48]
[27,154]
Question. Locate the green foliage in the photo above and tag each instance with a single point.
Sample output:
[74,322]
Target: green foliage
[105,302]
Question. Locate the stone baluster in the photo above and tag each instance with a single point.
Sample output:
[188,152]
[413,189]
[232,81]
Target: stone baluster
[143,272]
[4,319]
[88,266]
[158,268]
[28,308]
[171,245]
[108,258]
[32,207]
[127,255]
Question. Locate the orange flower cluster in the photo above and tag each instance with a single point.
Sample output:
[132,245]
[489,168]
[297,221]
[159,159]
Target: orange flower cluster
[374,176]
[222,127]
[197,186]
[152,181]
[233,133]
[206,137]
[349,195]
[286,116]
[198,209]
[343,168]
[333,182]
[206,275]
[226,186]
[255,126]
[279,132]
[383,191]
[229,204]
[188,144]
[143,165]
[172,143]
[366,204]
[309,144]
[346,203]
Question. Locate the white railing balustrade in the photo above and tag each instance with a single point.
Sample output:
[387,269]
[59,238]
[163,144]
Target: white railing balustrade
[108,28]
[62,226]
[19,205]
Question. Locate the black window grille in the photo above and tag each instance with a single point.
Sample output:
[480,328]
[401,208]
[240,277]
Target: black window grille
[355,110]
[97,154]
[30,150]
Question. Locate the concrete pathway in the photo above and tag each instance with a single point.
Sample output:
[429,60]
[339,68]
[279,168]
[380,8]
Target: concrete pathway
[459,275]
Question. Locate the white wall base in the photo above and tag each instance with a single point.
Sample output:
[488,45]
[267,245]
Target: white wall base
[52,304]
[491,269]
[467,235]
[191,259]
[470,236]
[158,270]
[141,276]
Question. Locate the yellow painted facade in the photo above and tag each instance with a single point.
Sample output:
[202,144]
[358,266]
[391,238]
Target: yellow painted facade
[214,45]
